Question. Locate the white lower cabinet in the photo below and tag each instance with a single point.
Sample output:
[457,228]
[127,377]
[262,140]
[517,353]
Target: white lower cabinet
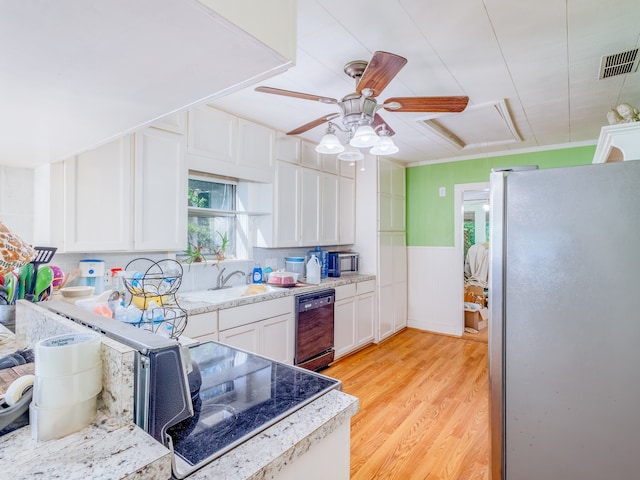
[202,327]
[354,316]
[265,328]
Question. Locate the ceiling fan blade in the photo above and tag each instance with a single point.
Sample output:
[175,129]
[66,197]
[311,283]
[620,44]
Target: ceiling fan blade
[290,93]
[378,120]
[382,68]
[314,123]
[426,104]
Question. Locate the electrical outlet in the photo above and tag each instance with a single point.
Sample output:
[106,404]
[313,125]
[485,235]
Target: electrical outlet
[442,191]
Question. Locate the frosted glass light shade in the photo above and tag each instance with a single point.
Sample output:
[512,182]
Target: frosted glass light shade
[365,136]
[350,154]
[384,147]
[329,144]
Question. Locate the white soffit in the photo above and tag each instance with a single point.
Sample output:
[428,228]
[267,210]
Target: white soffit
[482,125]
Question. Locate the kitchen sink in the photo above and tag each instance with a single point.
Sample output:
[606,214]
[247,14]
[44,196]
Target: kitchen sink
[228,294]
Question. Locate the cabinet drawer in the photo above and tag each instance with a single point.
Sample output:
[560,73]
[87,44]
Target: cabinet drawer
[366,286]
[246,314]
[345,291]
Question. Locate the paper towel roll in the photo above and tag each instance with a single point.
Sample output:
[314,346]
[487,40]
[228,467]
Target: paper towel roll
[67,354]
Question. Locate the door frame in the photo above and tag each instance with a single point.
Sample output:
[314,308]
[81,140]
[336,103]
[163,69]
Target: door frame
[459,191]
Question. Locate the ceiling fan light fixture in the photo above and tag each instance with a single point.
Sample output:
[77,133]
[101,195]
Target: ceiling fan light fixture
[385,146]
[351,154]
[330,144]
[364,137]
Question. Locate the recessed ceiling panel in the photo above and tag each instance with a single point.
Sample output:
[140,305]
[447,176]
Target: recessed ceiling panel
[478,126]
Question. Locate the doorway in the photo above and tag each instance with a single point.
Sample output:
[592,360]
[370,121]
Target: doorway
[471,228]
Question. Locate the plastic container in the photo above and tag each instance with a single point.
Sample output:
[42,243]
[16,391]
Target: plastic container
[313,270]
[256,277]
[323,258]
[295,265]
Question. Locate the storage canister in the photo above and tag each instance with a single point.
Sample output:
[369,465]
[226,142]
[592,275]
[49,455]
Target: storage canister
[294,265]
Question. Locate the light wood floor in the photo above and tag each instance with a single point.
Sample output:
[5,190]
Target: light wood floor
[423,408]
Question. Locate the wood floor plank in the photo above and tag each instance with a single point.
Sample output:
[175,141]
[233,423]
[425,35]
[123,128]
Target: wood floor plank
[423,408]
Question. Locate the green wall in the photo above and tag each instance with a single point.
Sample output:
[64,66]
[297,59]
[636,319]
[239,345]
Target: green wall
[430,218]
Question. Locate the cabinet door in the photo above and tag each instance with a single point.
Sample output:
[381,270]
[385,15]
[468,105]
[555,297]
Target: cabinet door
[330,164]
[256,145]
[203,325]
[329,211]
[344,331]
[310,158]
[310,207]
[277,338]
[245,337]
[287,148]
[98,196]
[160,191]
[386,317]
[286,215]
[365,314]
[212,134]
[347,209]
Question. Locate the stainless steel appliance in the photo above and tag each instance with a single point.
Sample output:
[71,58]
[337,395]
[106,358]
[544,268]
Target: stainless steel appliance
[314,329]
[563,323]
[343,262]
[204,400]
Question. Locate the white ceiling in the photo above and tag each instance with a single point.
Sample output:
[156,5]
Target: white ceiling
[73,74]
[539,58]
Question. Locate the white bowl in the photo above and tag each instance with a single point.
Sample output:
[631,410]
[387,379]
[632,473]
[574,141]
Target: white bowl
[78,291]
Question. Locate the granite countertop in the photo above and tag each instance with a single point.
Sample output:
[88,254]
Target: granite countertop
[197,307]
[115,448]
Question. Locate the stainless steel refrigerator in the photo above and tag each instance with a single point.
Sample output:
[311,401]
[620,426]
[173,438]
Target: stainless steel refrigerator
[564,323]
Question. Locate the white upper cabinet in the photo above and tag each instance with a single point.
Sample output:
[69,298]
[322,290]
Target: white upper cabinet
[330,164]
[287,148]
[329,209]
[286,216]
[98,195]
[160,192]
[223,144]
[256,146]
[347,211]
[310,207]
[391,196]
[212,134]
[310,158]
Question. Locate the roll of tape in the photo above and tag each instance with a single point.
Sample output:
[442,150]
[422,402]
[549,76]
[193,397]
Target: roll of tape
[67,354]
[54,392]
[51,423]
[17,389]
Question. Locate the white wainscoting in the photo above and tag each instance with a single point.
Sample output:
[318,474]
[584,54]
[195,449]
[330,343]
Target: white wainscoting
[435,289]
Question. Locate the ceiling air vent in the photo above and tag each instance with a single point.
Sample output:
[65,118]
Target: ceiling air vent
[619,63]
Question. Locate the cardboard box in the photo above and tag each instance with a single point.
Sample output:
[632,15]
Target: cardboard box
[475,294]
[476,318]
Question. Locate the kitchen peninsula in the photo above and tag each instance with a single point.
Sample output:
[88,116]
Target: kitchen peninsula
[113,447]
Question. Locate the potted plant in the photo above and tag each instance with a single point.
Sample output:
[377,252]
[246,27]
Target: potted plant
[199,239]
[221,249]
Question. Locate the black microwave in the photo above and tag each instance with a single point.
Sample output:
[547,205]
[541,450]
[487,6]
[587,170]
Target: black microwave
[343,262]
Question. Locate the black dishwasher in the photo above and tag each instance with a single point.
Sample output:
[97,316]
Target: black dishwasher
[314,329]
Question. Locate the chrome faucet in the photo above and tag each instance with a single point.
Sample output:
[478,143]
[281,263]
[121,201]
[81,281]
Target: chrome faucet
[222,280]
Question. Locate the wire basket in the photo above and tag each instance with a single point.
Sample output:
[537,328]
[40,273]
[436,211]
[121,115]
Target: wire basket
[153,285]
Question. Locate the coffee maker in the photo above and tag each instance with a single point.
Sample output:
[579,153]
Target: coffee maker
[92,274]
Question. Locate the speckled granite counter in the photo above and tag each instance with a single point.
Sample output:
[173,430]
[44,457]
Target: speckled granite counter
[114,448]
[195,308]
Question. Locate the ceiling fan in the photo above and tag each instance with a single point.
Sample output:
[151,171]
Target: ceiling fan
[359,109]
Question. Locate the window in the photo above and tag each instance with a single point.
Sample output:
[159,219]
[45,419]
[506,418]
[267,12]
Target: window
[212,217]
